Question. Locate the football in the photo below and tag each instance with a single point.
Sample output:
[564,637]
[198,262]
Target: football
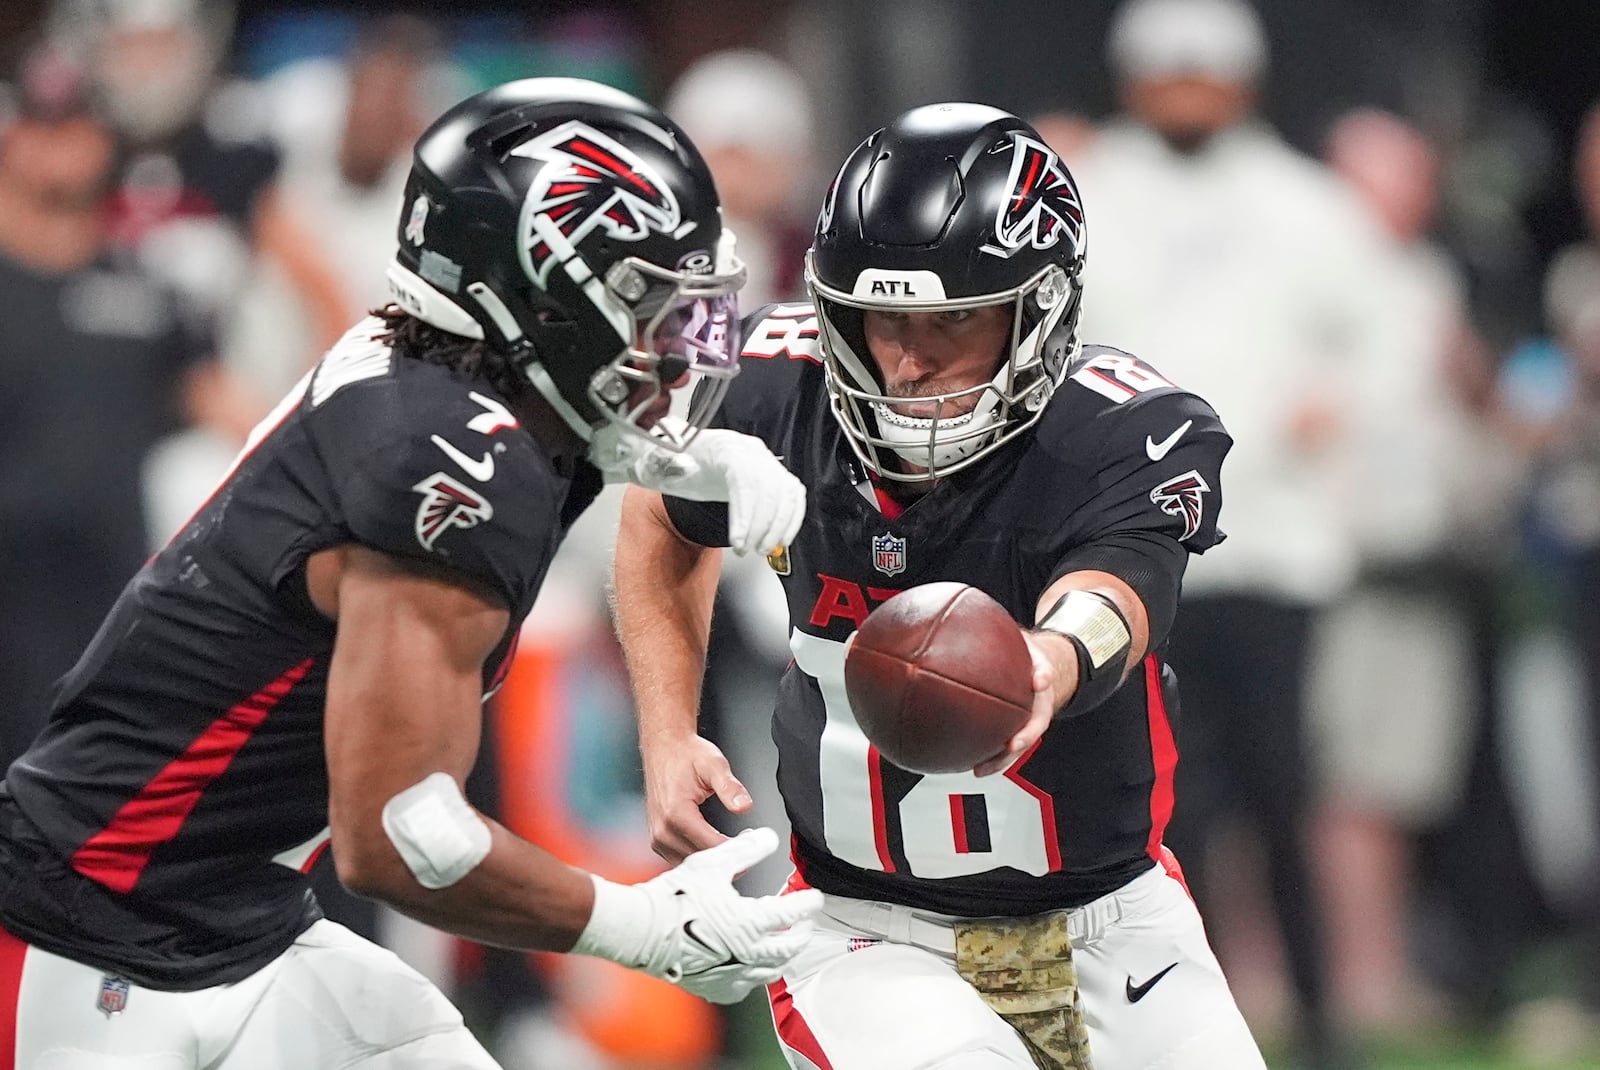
[939,678]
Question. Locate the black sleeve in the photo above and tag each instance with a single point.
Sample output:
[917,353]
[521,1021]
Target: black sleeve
[1159,470]
[400,493]
[1149,562]
[1158,493]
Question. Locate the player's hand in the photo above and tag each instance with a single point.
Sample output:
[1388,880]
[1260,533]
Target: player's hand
[689,926]
[677,780]
[766,503]
[1046,701]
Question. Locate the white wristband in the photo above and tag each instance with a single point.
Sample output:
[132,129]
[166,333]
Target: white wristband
[619,926]
[1093,620]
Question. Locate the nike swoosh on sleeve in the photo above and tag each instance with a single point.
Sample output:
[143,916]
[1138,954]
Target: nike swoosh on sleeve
[482,469]
[1157,450]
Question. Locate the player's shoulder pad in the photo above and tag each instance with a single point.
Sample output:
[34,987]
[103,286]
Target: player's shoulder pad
[780,359]
[429,463]
[1112,398]
[1144,454]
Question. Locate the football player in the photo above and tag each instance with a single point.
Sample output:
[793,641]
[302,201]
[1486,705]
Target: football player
[935,400]
[306,661]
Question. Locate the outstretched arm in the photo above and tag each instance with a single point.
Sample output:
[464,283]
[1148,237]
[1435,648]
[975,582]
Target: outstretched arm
[664,588]
[1056,657]
[401,732]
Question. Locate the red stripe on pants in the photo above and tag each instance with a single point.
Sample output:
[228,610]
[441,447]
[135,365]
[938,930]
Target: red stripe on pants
[792,1027]
[12,952]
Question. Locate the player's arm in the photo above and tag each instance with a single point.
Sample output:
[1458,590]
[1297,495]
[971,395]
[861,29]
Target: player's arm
[404,703]
[664,587]
[402,730]
[1092,627]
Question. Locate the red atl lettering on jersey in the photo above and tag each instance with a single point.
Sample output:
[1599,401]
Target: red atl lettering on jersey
[848,599]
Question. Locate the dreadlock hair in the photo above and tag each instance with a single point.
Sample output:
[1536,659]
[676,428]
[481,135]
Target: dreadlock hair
[418,340]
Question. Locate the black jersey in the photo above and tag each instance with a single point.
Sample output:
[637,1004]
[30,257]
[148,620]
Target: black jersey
[161,825]
[1119,449]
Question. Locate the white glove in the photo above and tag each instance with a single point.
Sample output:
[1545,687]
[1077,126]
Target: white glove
[690,927]
[765,502]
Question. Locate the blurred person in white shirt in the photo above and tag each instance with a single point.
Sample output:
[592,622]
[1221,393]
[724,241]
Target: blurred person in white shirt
[751,115]
[1254,274]
[345,126]
[1433,487]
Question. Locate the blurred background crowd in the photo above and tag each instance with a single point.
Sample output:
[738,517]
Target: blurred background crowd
[1368,232]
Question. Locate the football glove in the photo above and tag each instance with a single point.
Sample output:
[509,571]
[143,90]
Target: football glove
[766,503]
[689,926]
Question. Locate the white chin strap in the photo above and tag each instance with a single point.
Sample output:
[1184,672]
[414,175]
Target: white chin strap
[907,436]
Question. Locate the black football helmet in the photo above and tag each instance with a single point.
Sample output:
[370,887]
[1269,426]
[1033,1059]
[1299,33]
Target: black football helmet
[575,229]
[951,206]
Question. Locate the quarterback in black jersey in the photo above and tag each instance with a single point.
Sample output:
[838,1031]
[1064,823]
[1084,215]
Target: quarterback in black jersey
[305,662]
[948,425]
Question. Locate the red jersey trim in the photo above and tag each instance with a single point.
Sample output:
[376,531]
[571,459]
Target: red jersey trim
[12,953]
[880,819]
[793,1030]
[118,853]
[887,505]
[1163,755]
[1047,806]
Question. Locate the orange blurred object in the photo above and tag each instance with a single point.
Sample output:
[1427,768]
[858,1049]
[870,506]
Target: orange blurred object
[635,1019]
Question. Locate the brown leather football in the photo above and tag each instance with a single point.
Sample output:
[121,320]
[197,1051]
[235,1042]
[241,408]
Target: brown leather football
[939,678]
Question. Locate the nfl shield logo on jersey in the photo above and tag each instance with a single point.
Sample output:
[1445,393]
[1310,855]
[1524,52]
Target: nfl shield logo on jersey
[888,554]
[113,995]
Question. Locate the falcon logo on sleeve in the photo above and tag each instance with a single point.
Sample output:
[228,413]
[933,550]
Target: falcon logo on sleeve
[1042,207]
[1182,497]
[447,504]
[588,181]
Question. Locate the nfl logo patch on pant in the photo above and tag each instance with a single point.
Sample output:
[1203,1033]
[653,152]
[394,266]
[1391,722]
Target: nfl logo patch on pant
[113,995]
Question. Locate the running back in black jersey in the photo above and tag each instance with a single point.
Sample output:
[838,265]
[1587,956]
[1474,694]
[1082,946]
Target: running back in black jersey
[1118,450]
[162,824]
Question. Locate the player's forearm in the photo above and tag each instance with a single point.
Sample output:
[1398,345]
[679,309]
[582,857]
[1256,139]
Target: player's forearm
[663,591]
[518,896]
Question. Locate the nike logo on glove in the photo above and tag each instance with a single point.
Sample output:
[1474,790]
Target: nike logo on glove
[1138,992]
[1158,450]
[712,952]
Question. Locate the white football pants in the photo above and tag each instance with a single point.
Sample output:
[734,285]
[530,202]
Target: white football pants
[877,989]
[332,1000]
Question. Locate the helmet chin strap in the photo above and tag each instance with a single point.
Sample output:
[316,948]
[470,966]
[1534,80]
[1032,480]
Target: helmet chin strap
[546,386]
[909,436]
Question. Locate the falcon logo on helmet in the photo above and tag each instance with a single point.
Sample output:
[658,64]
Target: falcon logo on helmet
[1181,496]
[1042,207]
[447,504]
[589,181]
